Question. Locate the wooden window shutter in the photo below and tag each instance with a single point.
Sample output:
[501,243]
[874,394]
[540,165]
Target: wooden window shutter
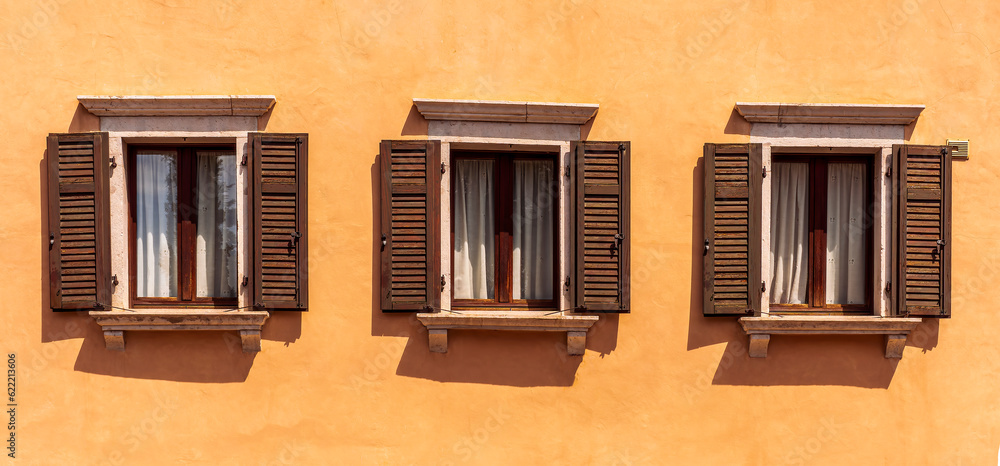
[921,213]
[79,222]
[410,241]
[278,195]
[733,180]
[601,226]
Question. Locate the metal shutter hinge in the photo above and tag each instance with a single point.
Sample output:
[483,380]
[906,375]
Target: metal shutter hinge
[52,240]
[244,161]
[114,281]
[567,283]
[383,241]
[246,281]
[763,172]
[442,167]
[113,163]
[888,172]
[888,287]
[443,281]
[763,286]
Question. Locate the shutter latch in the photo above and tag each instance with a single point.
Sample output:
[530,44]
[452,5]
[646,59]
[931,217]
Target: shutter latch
[618,243]
[937,250]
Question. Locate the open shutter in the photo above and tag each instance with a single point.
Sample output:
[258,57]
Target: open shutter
[79,222]
[278,194]
[601,226]
[733,180]
[921,186]
[410,225]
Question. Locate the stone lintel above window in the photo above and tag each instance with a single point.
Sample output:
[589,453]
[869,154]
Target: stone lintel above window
[505,111]
[187,105]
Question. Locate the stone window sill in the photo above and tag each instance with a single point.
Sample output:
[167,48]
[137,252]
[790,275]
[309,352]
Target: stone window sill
[575,326]
[895,329]
[115,323]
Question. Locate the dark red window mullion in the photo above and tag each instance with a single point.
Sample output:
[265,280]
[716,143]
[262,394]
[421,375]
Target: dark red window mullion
[505,223]
[186,221]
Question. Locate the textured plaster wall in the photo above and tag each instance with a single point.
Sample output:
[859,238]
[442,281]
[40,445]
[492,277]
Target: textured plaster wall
[343,383]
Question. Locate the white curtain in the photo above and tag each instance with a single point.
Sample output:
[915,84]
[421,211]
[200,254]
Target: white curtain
[534,201]
[475,249]
[845,234]
[215,245]
[789,232]
[156,224]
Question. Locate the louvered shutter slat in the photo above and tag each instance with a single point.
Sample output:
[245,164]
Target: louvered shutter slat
[922,230]
[732,229]
[279,196]
[602,235]
[410,226]
[79,221]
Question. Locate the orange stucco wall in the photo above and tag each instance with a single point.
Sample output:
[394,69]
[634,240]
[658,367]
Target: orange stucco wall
[345,384]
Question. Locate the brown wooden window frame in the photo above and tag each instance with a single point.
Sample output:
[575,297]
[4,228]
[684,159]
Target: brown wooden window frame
[187,227]
[818,193]
[503,235]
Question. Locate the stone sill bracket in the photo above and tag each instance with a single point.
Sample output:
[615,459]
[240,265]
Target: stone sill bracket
[760,329]
[115,323]
[575,326]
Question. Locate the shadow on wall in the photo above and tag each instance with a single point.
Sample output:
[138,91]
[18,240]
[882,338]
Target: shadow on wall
[850,360]
[183,356]
[520,359]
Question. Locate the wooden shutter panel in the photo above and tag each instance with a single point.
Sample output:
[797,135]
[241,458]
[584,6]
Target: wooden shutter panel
[411,225]
[278,194]
[733,180]
[921,185]
[601,226]
[79,222]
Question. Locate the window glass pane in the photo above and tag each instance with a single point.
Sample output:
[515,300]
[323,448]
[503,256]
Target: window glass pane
[475,251]
[535,196]
[789,232]
[846,254]
[156,223]
[215,245]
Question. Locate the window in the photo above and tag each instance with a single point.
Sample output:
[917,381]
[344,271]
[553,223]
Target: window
[183,225]
[504,230]
[504,219]
[172,221]
[821,234]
